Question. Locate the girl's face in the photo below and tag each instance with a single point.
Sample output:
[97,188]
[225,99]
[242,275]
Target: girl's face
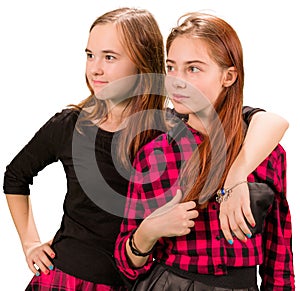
[108,65]
[194,81]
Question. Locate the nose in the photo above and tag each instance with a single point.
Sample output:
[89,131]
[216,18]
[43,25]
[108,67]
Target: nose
[97,67]
[179,83]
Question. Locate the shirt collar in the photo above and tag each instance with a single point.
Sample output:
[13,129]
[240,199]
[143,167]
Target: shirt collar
[180,130]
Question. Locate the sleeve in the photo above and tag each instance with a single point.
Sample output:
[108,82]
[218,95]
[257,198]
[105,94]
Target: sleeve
[277,270]
[39,152]
[248,112]
[135,211]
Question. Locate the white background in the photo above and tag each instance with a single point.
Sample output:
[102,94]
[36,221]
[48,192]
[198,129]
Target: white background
[42,63]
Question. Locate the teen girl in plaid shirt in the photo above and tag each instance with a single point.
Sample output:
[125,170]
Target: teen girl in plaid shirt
[177,240]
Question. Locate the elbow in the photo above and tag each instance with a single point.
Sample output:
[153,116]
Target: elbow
[281,123]
[286,124]
[272,120]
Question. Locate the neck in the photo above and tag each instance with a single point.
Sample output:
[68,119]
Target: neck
[199,123]
[116,116]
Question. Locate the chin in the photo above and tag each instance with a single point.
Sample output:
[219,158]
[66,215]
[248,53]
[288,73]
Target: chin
[181,109]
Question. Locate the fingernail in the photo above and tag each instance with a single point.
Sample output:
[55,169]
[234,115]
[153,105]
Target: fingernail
[52,255]
[248,235]
[37,274]
[46,272]
[50,267]
[230,241]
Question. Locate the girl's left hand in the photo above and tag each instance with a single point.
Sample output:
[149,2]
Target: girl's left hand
[234,212]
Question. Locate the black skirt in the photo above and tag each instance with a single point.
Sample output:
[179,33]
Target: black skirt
[164,278]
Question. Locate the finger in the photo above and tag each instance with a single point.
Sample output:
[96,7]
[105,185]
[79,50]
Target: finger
[234,221]
[38,267]
[240,218]
[248,215]
[188,205]
[49,251]
[184,229]
[46,264]
[191,223]
[192,214]
[225,228]
[41,265]
[187,231]
[34,268]
[243,226]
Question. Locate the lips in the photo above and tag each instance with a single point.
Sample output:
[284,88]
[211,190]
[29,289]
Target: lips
[99,82]
[179,97]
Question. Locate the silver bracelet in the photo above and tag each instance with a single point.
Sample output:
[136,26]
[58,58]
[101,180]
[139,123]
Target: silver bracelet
[223,194]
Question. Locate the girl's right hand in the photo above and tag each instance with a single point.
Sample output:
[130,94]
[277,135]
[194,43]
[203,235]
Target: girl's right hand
[172,219]
[38,258]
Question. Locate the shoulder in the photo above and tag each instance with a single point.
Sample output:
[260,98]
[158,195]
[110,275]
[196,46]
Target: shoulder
[158,143]
[249,111]
[59,125]
[180,139]
[63,120]
[65,116]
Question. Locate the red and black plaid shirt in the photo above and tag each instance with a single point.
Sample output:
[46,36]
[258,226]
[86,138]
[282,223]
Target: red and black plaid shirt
[205,250]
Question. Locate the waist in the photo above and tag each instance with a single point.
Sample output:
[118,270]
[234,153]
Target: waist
[199,256]
[96,265]
[241,277]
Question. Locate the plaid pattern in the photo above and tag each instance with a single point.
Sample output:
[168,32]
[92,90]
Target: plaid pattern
[57,280]
[205,250]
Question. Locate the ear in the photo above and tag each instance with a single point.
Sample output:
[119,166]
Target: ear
[229,76]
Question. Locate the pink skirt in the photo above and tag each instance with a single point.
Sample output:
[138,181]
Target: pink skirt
[57,280]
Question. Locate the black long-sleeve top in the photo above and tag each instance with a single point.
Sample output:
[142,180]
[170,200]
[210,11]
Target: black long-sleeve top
[93,206]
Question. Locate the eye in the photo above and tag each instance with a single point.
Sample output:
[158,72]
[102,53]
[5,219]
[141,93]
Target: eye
[89,55]
[170,68]
[194,69]
[110,57]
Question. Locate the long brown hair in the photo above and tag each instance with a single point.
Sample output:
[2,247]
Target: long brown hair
[141,37]
[204,174]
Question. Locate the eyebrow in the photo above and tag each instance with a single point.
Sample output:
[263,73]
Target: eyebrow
[104,52]
[188,62]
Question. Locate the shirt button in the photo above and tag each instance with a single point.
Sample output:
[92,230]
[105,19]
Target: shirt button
[214,207]
[218,237]
[223,267]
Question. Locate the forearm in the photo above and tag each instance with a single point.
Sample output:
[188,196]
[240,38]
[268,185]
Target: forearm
[277,271]
[264,133]
[21,212]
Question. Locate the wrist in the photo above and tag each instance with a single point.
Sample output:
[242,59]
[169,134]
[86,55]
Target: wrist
[27,246]
[235,176]
[137,250]
[223,194]
[147,232]
[141,238]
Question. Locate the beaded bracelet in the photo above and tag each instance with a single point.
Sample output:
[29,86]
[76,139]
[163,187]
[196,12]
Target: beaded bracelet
[134,249]
[223,194]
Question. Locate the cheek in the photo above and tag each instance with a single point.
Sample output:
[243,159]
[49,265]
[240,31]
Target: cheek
[168,83]
[127,68]
[88,69]
[211,89]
